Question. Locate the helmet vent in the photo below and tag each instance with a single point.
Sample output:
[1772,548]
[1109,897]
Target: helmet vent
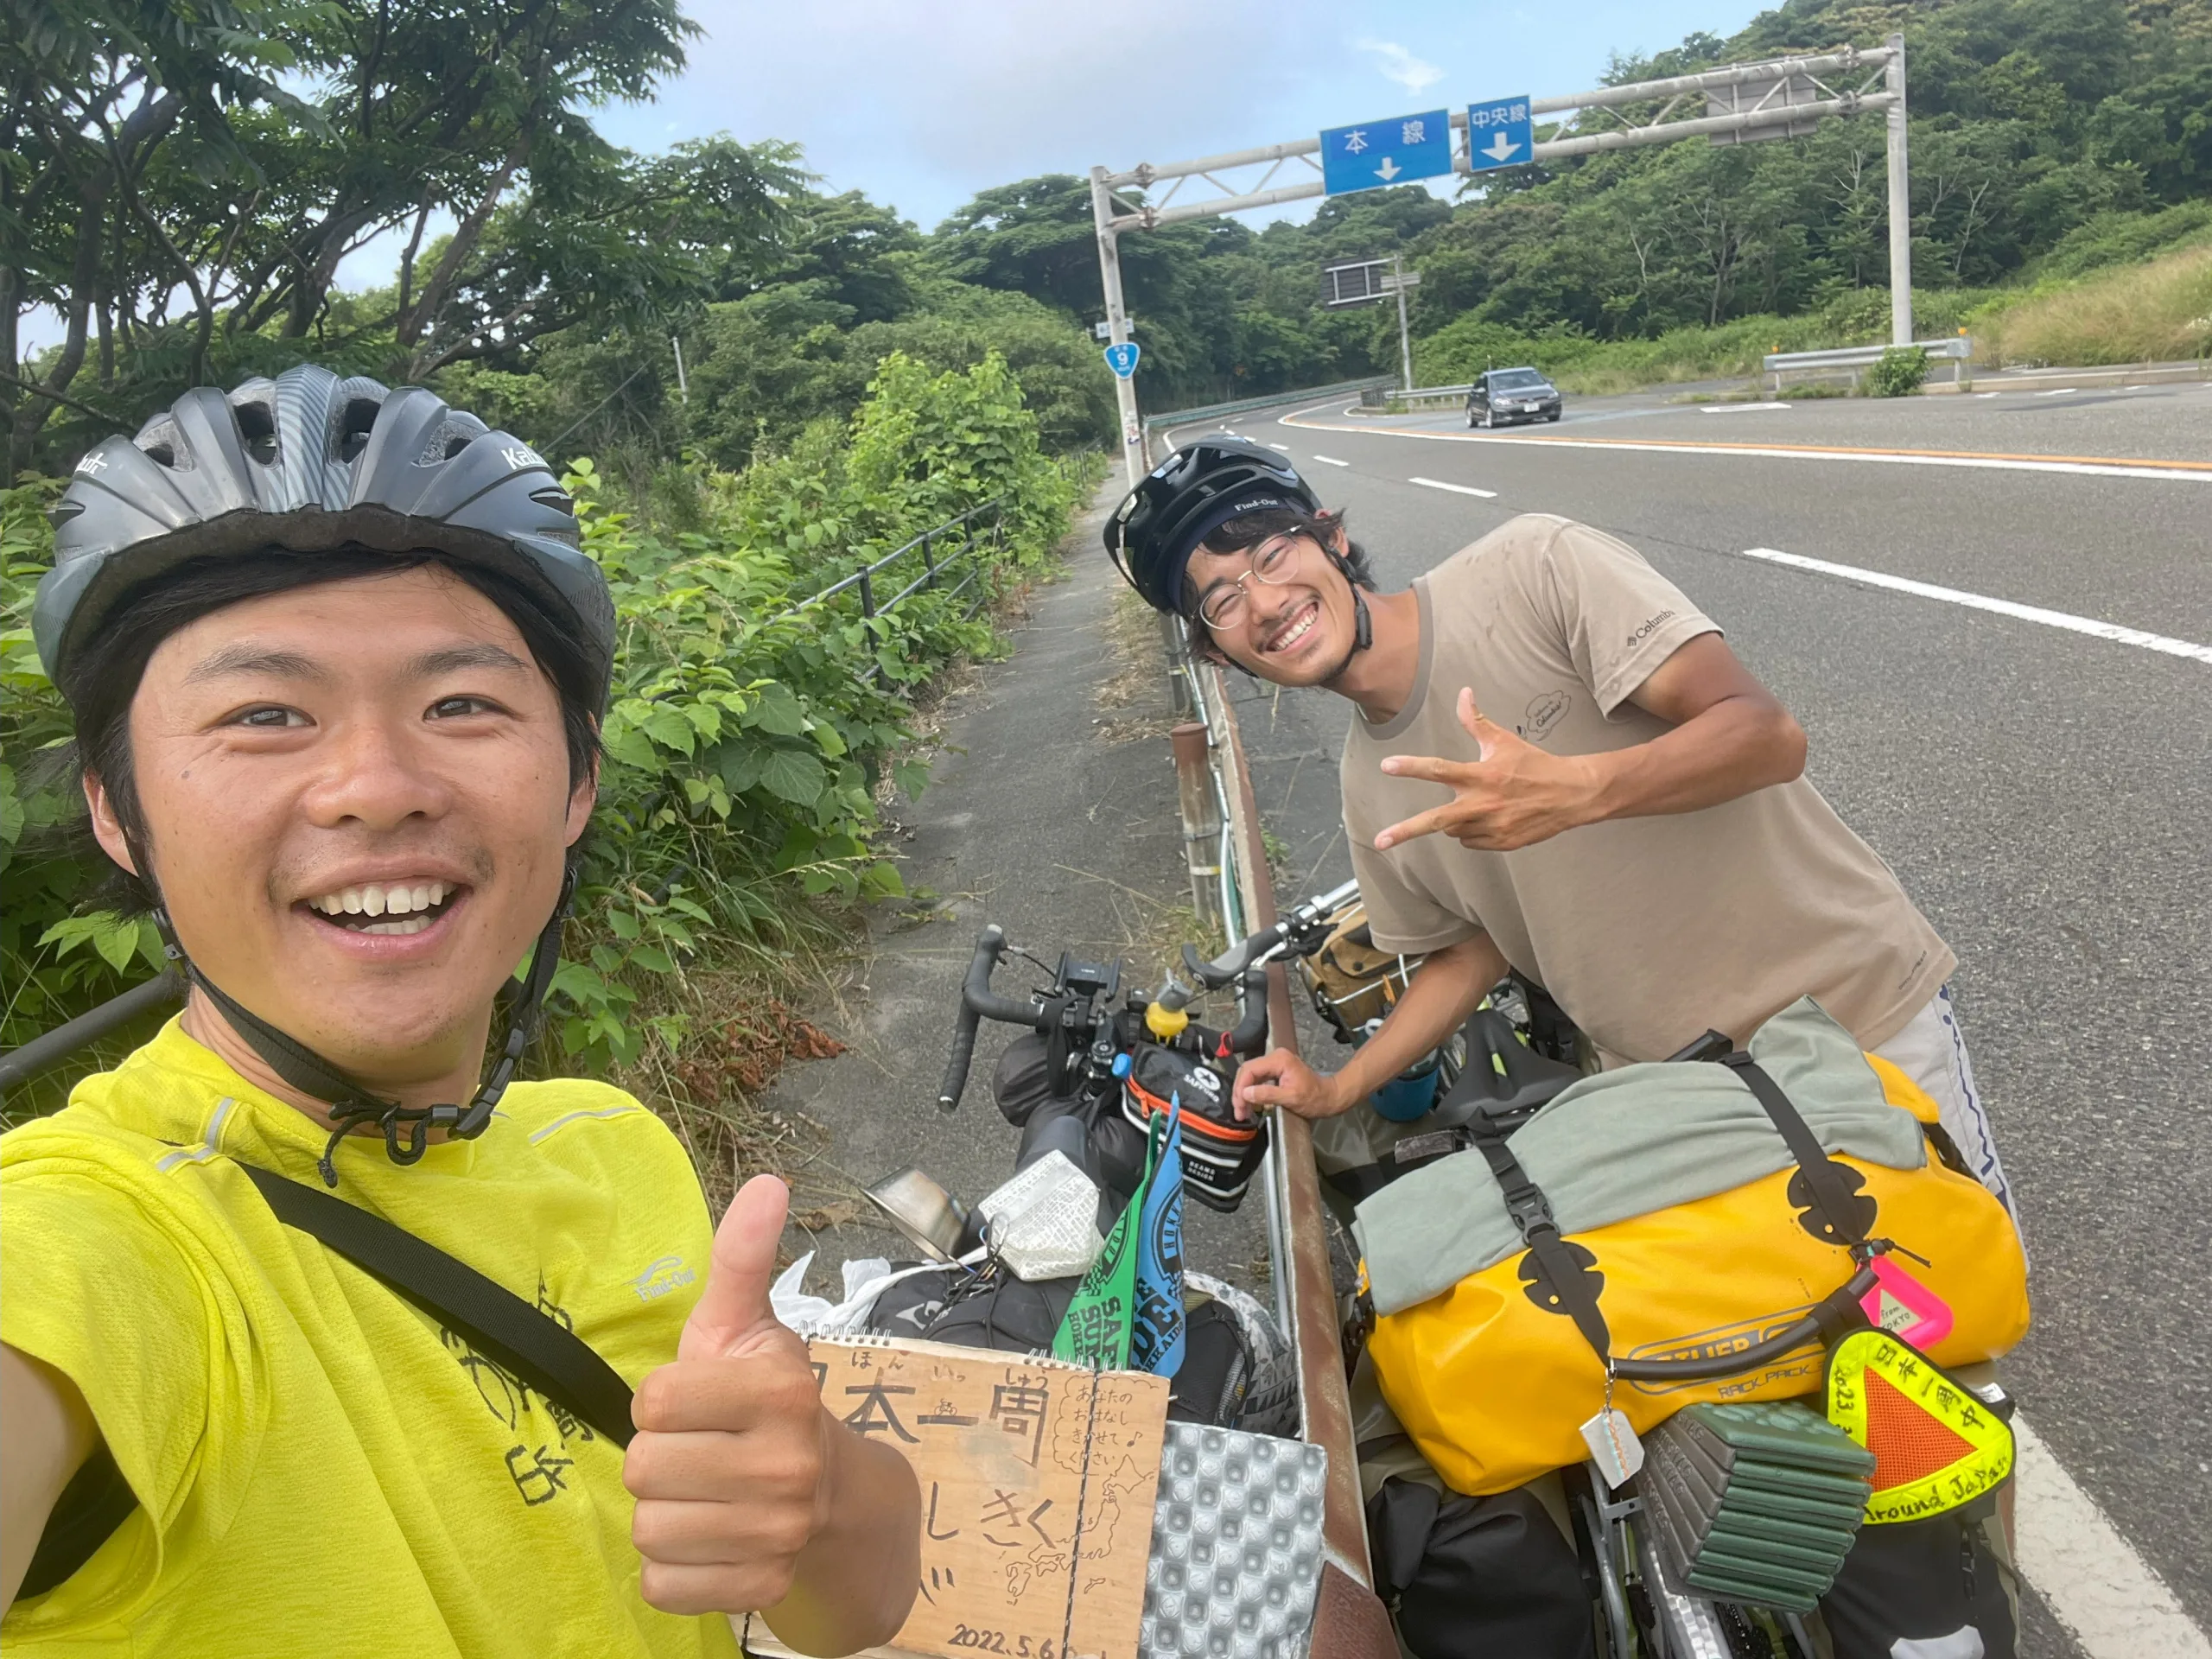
[354,422]
[257,429]
[453,434]
[158,440]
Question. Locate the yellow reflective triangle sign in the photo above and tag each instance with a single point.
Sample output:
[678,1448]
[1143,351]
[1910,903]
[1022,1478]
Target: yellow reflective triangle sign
[1935,1445]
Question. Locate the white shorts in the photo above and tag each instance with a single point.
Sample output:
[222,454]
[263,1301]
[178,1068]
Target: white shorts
[1932,1052]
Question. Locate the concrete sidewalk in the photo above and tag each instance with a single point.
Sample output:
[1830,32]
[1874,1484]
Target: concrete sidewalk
[1052,810]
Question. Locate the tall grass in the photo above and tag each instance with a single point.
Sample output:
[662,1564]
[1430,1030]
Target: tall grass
[2142,313]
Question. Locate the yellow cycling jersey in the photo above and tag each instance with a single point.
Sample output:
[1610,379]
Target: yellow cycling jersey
[321,1468]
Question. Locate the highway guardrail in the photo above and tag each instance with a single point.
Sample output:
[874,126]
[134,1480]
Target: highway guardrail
[1855,359]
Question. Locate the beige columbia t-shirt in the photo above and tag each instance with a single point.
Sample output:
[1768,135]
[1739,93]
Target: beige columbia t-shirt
[1648,931]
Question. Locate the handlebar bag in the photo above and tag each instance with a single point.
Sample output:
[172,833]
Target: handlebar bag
[1698,1233]
[1219,1152]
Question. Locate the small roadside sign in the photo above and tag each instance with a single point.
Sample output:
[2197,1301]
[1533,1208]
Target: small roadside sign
[1122,358]
[1499,134]
[1393,151]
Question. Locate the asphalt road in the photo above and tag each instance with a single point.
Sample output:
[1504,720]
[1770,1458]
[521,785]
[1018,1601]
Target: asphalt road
[2044,795]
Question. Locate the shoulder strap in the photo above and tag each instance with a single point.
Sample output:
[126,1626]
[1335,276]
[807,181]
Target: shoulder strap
[536,1347]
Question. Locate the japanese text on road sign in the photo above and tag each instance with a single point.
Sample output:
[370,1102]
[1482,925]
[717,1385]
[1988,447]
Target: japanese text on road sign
[1394,151]
[1499,134]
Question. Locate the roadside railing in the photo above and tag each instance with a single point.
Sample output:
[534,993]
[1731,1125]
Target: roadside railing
[1854,360]
[1245,406]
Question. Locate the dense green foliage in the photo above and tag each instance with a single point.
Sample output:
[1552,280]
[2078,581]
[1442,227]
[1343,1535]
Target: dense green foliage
[747,727]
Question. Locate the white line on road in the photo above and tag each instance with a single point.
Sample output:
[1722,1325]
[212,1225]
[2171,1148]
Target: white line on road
[1456,489]
[1331,460]
[1735,409]
[2092,467]
[1981,602]
[2058,391]
[1283,446]
[2091,1578]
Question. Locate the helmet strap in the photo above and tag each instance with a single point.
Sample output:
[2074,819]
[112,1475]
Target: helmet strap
[350,1104]
[1363,623]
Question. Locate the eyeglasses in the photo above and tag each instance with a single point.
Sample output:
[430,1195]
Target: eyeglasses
[1273,563]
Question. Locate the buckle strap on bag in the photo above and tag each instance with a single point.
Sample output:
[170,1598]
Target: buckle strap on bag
[1561,1276]
[1831,1188]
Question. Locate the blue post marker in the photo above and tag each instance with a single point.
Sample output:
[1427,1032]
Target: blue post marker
[1394,151]
[1121,358]
[1500,134]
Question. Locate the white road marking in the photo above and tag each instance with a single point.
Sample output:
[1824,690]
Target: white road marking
[2058,391]
[2091,1578]
[1735,409]
[1983,394]
[2188,472]
[1283,446]
[1456,489]
[2090,626]
[1331,460]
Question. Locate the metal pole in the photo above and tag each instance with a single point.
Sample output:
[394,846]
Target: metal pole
[1134,462]
[1405,340]
[1900,201]
[682,387]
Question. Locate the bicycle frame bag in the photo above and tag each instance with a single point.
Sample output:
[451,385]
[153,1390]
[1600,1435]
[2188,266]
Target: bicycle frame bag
[1219,1152]
[1674,1210]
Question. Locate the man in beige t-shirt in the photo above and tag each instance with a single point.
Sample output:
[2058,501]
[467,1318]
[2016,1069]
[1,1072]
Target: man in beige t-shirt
[1555,763]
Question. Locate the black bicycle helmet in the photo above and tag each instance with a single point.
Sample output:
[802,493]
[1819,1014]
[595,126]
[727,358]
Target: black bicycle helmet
[1200,487]
[309,462]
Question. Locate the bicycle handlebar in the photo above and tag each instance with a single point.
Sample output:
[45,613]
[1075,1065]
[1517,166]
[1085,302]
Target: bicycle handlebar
[1258,949]
[979,1002]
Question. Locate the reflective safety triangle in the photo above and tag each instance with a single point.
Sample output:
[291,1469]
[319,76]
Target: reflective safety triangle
[1935,1445]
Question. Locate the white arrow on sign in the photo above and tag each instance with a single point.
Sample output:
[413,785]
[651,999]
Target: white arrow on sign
[1499,147]
[1389,169]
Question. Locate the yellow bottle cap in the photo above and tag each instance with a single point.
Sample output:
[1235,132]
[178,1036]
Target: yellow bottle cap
[1164,1022]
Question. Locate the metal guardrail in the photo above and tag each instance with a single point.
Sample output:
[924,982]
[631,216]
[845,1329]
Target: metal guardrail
[933,567]
[47,1050]
[1215,411]
[1854,359]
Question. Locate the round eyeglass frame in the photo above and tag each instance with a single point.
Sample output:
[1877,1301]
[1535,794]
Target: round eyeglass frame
[1281,556]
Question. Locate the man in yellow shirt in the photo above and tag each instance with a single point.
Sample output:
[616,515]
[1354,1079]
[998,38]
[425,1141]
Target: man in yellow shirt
[337,663]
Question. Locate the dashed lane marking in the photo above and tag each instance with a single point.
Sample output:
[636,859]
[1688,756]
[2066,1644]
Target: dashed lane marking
[2195,472]
[1283,446]
[2058,391]
[1456,489]
[1331,460]
[2090,1577]
[2090,626]
[1736,408]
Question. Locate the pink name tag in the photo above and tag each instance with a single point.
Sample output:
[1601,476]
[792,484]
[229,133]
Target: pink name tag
[1902,1305]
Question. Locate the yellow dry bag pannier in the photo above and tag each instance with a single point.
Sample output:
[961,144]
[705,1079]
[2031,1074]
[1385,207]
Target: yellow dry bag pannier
[1660,1212]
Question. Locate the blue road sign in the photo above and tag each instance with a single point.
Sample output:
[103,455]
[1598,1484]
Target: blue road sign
[1395,151]
[1498,134]
[1123,358]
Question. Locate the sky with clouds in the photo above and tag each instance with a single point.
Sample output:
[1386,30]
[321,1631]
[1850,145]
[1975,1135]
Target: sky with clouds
[921,104]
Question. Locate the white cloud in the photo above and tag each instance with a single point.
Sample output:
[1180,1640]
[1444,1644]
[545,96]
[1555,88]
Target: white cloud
[1399,64]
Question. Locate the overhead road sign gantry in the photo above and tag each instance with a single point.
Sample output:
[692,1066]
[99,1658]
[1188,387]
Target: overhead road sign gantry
[1500,133]
[1396,150]
[1739,102]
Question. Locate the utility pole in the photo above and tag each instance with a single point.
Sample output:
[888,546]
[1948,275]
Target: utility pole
[1135,461]
[1405,338]
[1900,200]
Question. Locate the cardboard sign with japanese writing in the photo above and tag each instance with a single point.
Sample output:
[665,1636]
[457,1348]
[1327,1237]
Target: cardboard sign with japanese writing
[1037,1482]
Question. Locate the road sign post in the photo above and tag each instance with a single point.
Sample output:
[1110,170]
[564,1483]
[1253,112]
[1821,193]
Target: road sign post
[1135,463]
[1397,151]
[1900,201]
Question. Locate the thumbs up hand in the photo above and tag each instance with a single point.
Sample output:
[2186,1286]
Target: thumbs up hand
[734,1462]
[1513,796]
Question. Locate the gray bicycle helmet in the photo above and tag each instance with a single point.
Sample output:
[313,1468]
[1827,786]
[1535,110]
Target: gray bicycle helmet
[309,462]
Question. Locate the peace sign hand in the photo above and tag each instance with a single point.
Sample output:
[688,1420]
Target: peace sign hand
[1514,795]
